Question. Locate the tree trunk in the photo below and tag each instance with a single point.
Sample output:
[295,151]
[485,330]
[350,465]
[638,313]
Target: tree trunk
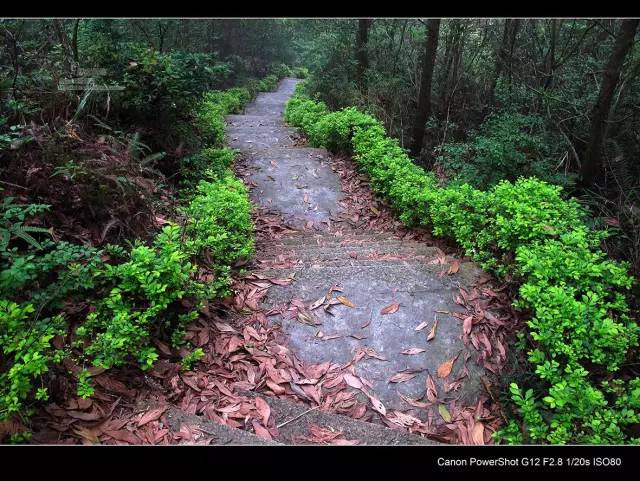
[58,27]
[74,42]
[592,161]
[424,96]
[550,58]
[447,61]
[362,57]
[505,54]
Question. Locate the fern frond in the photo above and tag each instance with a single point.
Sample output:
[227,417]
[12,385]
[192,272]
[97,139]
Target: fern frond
[22,233]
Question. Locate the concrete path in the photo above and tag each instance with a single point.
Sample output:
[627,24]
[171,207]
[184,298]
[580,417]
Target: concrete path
[371,271]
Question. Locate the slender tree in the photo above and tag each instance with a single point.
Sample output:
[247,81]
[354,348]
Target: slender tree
[592,161]
[504,58]
[424,96]
[364,24]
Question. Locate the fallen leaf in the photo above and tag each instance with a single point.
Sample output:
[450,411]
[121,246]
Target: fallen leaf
[477,434]
[466,325]
[261,431]
[377,405]
[403,376]
[371,352]
[345,301]
[444,412]
[317,304]
[151,415]
[415,403]
[90,435]
[432,333]
[390,309]
[264,410]
[422,325]
[352,381]
[412,351]
[332,336]
[222,327]
[455,266]
[307,319]
[432,392]
[445,368]
[84,416]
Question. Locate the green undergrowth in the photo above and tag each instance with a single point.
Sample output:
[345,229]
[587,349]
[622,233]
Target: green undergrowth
[104,307]
[581,333]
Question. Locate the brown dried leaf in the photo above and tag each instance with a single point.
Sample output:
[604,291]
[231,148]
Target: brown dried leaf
[432,333]
[422,325]
[345,301]
[403,376]
[466,324]
[261,431]
[412,351]
[124,435]
[445,368]
[352,381]
[432,392]
[264,410]
[317,303]
[477,434]
[377,405]
[151,415]
[455,266]
[84,416]
[90,435]
[390,309]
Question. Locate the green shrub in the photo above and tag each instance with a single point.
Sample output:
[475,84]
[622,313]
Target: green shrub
[268,83]
[580,326]
[190,359]
[281,71]
[509,145]
[300,72]
[26,354]
[209,161]
[334,130]
[219,221]
[144,300]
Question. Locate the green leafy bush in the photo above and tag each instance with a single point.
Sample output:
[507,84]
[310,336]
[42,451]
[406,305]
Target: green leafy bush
[300,72]
[190,359]
[334,130]
[144,300]
[580,326]
[26,354]
[37,278]
[281,71]
[210,161]
[509,145]
[268,84]
[219,220]
[210,111]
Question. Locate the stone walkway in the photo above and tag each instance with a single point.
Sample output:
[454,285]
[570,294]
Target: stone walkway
[372,270]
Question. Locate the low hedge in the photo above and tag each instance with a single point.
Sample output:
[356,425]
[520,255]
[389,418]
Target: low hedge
[580,331]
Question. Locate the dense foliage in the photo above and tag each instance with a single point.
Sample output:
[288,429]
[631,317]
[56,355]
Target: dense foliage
[121,216]
[509,98]
[132,296]
[580,331]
